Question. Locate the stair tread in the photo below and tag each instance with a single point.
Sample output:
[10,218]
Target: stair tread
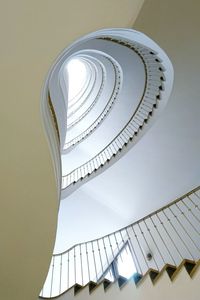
[122,281]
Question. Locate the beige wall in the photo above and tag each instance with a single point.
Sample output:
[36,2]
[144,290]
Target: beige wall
[32,35]
[182,288]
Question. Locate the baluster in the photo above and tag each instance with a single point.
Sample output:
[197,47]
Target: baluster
[151,99]
[106,256]
[169,235]
[116,241]
[141,250]
[99,251]
[188,220]
[138,122]
[64,182]
[72,174]
[88,131]
[169,220]
[130,130]
[115,147]
[72,177]
[184,229]
[196,194]
[93,164]
[88,262]
[102,158]
[52,276]
[75,175]
[190,210]
[126,134]
[75,265]
[98,160]
[118,143]
[76,172]
[143,112]
[81,172]
[107,153]
[81,262]
[122,139]
[96,163]
[166,247]
[147,106]
[95,266]
[139,119]
[88,168]
[84,171]
[152,237]
[135,123]
[138,223]
[134,126]
[120,231]
[111,247]
[195,205]
[109,149]
[60,285]
[68,182]
[103,153]
[135,259]
[68,270]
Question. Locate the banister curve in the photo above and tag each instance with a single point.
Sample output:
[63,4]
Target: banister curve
[169,249]
[155,90]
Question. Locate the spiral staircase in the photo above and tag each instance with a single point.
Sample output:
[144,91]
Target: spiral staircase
[110,143]
[128,81]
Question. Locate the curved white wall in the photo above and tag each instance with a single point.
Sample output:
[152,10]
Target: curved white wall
[115,203]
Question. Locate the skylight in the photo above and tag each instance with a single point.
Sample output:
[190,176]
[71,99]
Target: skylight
[77,76]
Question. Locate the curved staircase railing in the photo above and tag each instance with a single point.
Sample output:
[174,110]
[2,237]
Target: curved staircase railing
[166,237]
[69,144]
[153,241]
[152,95]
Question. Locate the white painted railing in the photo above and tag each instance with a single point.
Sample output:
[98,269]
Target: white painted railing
[167,236]
[152,96]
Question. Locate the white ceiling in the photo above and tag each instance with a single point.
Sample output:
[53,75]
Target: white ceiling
[165,163]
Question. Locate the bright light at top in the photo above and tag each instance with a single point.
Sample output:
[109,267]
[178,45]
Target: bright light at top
[125,263]
[77,75]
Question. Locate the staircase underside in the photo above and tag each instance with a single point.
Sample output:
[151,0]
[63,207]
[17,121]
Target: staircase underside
[171,282]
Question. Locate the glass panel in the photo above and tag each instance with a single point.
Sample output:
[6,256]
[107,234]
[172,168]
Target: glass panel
[125,264]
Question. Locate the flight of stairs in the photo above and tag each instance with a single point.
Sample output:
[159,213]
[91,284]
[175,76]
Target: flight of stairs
[174,283]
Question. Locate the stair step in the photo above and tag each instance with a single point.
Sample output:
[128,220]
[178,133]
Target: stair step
[170,269]
[106,284]
[137,277]
[153,274]
[92,285]
[77,288]
[190,266]
[122,281]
